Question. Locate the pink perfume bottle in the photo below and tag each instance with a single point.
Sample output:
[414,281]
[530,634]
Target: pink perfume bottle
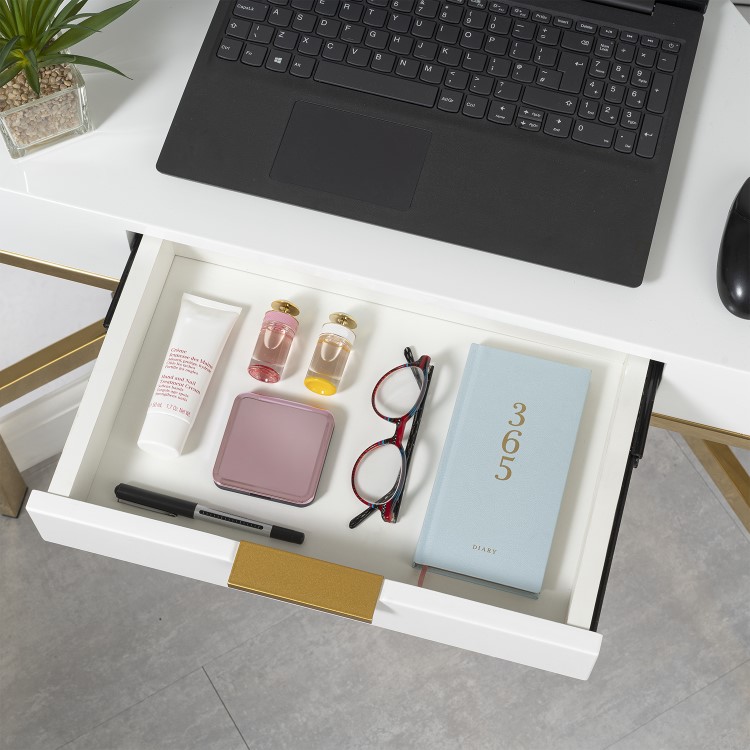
[274,341]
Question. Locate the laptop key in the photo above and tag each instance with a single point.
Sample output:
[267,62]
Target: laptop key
[251,11]
[551,100]
[481,85]
[447,34]
[383,62]
[431,73]
[474,62]
[625,142]
[508,90]
[649,135]
[533,125]
[631,119]
[237,28]
[475,106]
[286,39]
[573,68]
[304,22]
[499,67]
[280,17]
[588,109]
[334,51]
[457,79]
[302,67]
[549,79]
[328,28]
[407,68]
[657,101]
[368,82]
[261,34]
[326,7]
[558,126]
[546,57]
[577,42]
[609,114]
[278,60]
[524,73]
[352,34]
[449,101]
[229,49]
[309,45]
[625,52]
[501,113]
[349,12]
[522,51]
[593,134]
[358,56]
[666,62]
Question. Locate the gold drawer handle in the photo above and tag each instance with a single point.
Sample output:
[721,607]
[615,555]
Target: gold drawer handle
[304,580]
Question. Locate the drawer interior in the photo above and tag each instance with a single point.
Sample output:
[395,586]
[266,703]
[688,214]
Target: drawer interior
[102,450]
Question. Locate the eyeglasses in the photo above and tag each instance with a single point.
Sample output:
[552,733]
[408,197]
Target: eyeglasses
[379,474]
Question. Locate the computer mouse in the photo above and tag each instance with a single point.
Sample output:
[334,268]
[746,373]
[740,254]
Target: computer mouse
[733,266]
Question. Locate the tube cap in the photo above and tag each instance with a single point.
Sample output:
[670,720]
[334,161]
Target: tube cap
[163,435]
[287,535]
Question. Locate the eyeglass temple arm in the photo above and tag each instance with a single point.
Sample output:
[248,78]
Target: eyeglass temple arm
[413,435]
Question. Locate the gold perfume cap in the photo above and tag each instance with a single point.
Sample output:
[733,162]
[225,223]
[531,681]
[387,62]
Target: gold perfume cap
[285,306]
[343,320]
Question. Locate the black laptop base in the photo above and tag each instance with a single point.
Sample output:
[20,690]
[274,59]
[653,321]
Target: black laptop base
[522,193]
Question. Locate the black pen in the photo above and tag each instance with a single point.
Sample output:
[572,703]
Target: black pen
[173,506]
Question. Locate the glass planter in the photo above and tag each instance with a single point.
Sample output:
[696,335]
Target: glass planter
[49,119]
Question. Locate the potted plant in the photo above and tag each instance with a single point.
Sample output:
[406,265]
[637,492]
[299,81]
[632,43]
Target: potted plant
[42,94]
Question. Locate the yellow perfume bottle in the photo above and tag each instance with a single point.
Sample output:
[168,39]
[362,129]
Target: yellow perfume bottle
[331,354]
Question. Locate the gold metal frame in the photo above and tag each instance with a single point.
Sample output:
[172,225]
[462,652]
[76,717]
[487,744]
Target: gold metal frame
[712,447]
[44,366]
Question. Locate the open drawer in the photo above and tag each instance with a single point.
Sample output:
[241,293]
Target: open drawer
[365,573]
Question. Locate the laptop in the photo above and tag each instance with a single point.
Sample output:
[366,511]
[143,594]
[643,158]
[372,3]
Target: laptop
[541,132]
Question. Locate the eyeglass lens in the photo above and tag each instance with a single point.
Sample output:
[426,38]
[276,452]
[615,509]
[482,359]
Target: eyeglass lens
[378,474]
[398,393]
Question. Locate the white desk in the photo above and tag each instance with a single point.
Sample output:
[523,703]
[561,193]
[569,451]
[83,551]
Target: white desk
[72,203]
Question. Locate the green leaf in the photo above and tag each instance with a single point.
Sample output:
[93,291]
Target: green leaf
[5,51]
[47,14]
[10,73]
[17,12]
[80,60]
[7,25]
[70,10]
[95,23]
[31,71]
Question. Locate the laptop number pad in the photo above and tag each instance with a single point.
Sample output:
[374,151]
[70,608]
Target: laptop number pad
[564,77]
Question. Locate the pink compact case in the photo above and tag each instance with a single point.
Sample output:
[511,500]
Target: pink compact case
[274,449]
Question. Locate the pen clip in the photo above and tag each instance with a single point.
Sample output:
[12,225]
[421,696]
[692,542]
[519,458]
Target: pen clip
[146,507]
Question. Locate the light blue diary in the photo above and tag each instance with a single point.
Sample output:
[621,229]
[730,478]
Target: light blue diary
[502,473]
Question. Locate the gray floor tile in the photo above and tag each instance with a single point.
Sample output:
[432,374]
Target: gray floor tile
[716,718]
[336,683]
[90,636]
[186,715]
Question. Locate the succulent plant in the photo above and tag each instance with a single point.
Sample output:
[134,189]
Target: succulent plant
[36,34]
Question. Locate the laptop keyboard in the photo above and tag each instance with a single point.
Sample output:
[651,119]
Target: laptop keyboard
[508,65]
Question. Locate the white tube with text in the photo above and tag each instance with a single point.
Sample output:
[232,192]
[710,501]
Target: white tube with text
[201,331]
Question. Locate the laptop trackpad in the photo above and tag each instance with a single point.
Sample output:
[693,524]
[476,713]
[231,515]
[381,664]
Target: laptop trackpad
[351,155]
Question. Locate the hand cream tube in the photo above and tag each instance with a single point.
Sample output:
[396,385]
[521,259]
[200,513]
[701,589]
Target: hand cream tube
[201,330]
